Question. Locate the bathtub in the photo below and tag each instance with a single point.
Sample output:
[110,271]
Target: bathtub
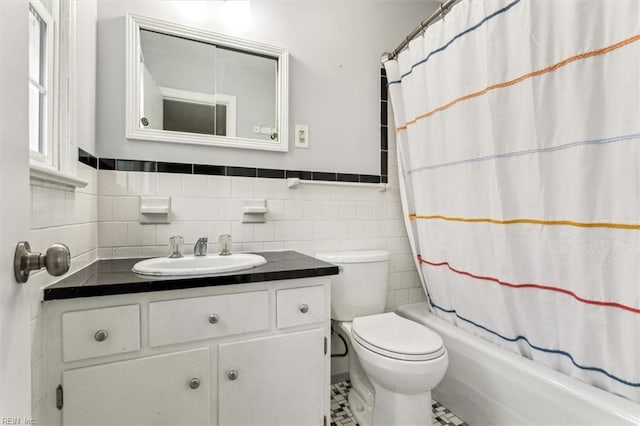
[487,385]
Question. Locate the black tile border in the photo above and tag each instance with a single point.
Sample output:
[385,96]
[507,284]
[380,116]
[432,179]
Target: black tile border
[384,128]
[215,170]
[208,169]
[324,176]
[163,167]
[300,174]
[271,173]
[136,166]
[106,163]
[85,158]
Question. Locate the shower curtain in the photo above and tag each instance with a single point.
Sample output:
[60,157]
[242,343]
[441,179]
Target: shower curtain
[518,137]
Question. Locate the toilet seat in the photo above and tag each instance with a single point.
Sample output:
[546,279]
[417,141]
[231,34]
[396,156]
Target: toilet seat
[395,337]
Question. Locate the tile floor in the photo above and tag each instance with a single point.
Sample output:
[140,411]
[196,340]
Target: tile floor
[341,415]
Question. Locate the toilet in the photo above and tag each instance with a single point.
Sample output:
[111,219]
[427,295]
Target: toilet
[396,361]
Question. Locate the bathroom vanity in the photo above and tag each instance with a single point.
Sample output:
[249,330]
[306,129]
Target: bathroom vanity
[230,349]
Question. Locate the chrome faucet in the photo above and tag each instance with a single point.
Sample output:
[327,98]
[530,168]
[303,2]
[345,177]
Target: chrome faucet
[200,249]
[224,241]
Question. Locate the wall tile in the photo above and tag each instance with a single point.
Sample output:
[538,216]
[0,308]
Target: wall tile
[184,208]
[283,230]
[91,176]
[126,208]
[312,210]
[154,251]
[249,247]
[140,183]
[193,186]
[59,211]
[242,232]
[293,209]
[263,231]
[242,187]
[140,235]
[112,183]
[126,252]
[105,208]
[308,219]
[165,231]
[40,207]
[170,183]
[112,234]
[218,228]
[195,230]
[219,186]
[273,245]
[230,209]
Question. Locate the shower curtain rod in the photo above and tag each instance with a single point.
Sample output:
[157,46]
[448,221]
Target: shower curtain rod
[444,8]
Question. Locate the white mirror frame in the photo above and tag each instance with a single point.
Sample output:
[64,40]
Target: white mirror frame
[135,23]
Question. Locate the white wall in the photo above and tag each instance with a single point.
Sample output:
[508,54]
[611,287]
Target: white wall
[85,91]
[334,47]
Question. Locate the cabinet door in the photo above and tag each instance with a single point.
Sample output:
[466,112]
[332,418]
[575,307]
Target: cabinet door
[156,390]
[280,380]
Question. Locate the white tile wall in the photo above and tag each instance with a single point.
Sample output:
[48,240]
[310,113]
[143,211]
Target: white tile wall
[310,218]
[59,214]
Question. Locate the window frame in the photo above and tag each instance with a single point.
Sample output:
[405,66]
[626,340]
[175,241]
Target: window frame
[60,166]
[50,155]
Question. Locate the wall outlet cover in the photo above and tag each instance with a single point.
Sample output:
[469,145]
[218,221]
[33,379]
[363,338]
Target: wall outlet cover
[301,136]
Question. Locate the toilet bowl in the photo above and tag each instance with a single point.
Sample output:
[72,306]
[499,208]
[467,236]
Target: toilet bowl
[396,361]
[404,360]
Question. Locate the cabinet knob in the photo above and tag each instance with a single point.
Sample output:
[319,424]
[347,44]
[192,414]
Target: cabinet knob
[214,318]
[101,335]
[194,383]
[233,374]
[304,308]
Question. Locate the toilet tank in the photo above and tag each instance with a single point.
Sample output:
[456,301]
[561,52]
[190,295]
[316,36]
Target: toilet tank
[361,287]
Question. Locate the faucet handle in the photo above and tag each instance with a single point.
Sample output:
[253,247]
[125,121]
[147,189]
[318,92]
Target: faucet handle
[224,241]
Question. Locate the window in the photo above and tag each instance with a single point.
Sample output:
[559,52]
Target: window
[52,33]
[42,138]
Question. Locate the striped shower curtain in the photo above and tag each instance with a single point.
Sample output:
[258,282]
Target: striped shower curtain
[518,133]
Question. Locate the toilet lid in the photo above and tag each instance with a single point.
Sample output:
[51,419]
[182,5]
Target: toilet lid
[396,337]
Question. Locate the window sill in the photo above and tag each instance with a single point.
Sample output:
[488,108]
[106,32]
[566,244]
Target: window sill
[42,173]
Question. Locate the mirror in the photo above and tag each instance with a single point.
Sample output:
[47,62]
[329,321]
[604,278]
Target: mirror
[187,85]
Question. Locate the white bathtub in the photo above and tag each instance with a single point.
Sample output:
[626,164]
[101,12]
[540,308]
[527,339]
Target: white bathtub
[487,385]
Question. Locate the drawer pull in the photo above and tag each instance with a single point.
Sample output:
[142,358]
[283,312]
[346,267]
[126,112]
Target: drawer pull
[101,335]
[233,374]
[304,308]
[194,383]
[214,318]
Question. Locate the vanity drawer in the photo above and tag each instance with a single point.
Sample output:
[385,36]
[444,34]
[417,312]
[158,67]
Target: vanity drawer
[299,306]
[184,320]
[100,332]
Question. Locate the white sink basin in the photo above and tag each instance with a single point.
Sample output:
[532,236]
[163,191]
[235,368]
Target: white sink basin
[198,265]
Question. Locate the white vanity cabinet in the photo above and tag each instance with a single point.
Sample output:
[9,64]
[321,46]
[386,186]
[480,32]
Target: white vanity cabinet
[241,354]
[167,389]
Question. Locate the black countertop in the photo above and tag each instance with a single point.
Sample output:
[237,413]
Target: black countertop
[114,276]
